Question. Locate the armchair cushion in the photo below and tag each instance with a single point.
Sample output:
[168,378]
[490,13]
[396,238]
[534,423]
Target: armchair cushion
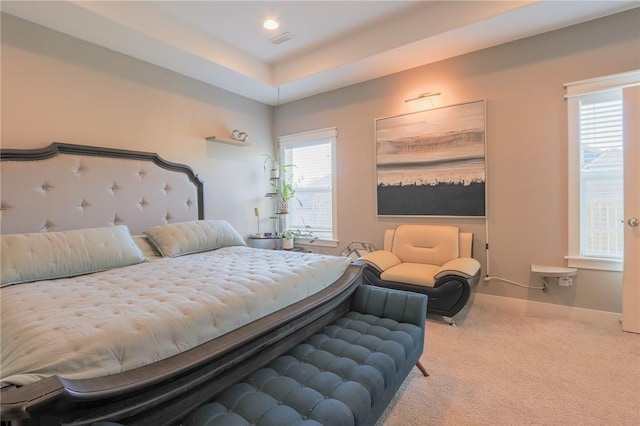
[381,259]
[465,267]
[421,274]
[432,244]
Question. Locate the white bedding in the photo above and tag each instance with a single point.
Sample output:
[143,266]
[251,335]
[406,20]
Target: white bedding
[112,321]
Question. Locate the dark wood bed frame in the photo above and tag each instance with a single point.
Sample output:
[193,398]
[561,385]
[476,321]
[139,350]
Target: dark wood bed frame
[166,391]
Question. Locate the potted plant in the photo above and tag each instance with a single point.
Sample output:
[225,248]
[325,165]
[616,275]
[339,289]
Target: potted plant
[287,240]
[276,168]
[283,191]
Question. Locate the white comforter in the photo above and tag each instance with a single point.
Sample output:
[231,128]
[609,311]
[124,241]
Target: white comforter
[108,322]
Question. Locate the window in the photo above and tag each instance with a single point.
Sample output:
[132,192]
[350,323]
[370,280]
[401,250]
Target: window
[596,180]
[601,177]
[312,156]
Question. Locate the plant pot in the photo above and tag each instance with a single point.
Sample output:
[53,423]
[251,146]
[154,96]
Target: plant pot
[283,207]
[275,173]
[287,243]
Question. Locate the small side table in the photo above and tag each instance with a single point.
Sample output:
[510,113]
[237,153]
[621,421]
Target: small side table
[270,242]
[266,242]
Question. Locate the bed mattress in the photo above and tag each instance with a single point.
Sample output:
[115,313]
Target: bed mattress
[113,321]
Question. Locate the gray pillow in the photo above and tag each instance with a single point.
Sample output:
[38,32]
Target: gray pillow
[178,239]
[51,255]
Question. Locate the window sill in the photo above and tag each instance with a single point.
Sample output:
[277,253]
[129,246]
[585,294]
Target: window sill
[594,263]
[317,243]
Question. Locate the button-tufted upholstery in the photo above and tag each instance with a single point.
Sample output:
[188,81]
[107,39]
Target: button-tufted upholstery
[346,374]
[77,191]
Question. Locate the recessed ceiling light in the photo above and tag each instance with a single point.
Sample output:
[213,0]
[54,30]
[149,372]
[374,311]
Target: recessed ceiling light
[271,24]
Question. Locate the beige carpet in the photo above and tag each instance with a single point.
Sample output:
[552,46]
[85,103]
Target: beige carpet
[505,368]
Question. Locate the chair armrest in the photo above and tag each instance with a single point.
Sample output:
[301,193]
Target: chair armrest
[465,267]
[381,259]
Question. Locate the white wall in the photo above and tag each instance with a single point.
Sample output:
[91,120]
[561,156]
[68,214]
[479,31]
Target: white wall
[58,88]
[522,83]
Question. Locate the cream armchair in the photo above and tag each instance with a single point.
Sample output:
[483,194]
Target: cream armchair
[431,259]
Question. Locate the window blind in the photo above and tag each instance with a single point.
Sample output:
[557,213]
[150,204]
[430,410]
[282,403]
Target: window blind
[311,154]
[601,174]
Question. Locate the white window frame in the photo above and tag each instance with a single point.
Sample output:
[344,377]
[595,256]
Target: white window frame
[300,139]
[573,92]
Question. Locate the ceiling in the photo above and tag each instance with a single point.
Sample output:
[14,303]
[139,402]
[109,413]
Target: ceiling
[333,44]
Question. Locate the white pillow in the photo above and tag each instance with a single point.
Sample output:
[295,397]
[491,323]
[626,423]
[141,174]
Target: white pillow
[51,255]
[178,239]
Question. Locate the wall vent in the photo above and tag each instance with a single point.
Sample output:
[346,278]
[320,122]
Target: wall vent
[282,38]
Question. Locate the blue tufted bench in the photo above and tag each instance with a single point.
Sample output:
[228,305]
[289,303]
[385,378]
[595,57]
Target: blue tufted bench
[345,374]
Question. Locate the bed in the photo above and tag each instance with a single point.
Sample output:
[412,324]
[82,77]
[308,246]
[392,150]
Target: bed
[121,303]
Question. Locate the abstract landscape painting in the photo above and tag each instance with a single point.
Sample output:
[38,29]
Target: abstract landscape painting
[432,163]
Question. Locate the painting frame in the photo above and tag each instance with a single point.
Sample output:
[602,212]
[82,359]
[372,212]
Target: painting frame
[432,162]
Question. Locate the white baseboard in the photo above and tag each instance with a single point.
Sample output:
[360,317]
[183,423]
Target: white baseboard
[552,310]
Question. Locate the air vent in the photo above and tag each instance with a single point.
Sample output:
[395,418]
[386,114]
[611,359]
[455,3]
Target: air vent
[282,38]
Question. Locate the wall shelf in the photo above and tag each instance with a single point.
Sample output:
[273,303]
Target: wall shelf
[553,271]
[228,141]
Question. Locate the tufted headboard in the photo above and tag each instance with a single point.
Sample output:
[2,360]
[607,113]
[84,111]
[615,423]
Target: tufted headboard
[63,186]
